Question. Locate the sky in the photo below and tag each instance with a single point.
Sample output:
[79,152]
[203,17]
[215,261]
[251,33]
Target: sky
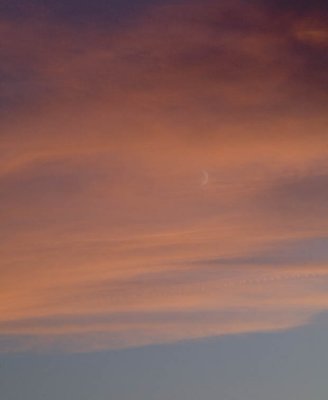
[164,199]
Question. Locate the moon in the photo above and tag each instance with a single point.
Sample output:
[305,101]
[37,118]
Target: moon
[205,177]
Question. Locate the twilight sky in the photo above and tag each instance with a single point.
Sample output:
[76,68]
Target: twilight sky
[163,178]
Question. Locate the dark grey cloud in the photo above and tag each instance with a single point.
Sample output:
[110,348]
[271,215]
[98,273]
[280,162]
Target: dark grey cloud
[304,197]
[312,251]
[301,7]
[75,11]
[197,48]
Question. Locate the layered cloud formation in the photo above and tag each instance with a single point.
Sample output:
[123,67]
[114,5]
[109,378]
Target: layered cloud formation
[110,235]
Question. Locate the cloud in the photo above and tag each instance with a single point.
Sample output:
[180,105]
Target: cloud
[108,237]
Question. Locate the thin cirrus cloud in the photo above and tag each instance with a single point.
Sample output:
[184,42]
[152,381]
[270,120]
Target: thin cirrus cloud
[109,238]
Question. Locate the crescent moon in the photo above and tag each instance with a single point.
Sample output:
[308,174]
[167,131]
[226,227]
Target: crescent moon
[205,178]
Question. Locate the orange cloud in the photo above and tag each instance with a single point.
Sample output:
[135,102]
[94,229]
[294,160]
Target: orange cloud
[109,237]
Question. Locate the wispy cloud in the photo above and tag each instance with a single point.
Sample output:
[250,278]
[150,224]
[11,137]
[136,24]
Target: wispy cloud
[109,238]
